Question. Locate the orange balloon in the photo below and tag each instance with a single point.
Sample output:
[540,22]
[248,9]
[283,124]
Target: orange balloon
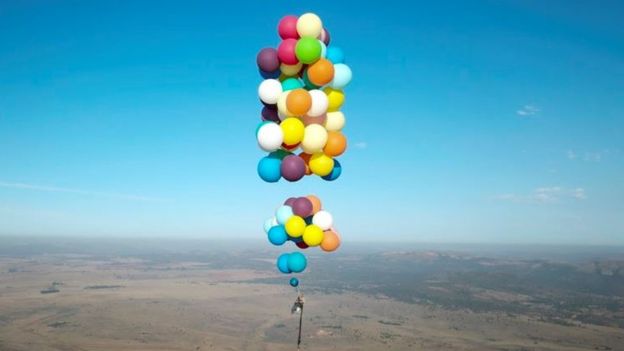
[330,242]
[306,158]
[336,144]
[316,203]
[321,72]
[298,102]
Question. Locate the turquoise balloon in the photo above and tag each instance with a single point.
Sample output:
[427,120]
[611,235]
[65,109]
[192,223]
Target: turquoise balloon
[335,173]
[335,55]
[277,235]
[269,169]
[308,85]
[283,214]
[294,282]
[280,154]
[291,84]
[282,263]
[342,76]
[297,262]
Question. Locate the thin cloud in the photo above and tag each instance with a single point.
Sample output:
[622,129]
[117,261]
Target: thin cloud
[54,189]
[528,111]
[545,195]
[588,156]
[361,145]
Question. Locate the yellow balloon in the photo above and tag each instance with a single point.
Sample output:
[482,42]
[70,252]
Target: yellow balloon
[295,226]
[291,70]
[293,130]
[281,104]
[335,121]
[313,235]
[336,99]
[321,164]
[309,25]
[314,138]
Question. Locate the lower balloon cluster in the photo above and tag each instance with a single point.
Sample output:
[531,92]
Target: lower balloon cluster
[303,221]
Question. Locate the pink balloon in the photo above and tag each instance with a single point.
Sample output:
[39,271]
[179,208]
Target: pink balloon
[286,52]
[287,27]
[307,120]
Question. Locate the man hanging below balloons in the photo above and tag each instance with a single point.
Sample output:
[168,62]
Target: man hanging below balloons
[302,93]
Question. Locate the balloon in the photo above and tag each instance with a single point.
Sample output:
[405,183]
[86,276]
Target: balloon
[316,203]
[270,136]
[319,103]
[269,114]
[307,120]
[270,90]
[290,201]
[279,154]
[324,36]
[334,121]
[335,172]
[331,241]
[287,27]
[323,220]
[269,75]
[313,235]
[308,50]
[306,158]
[336,98]
[286,52]
[291,70]
[283,213]
[269,169]
[297,262]
[298,102]
[302,207]
[321,164]
[268,60]
[301,244]
[314,138]
[293,168]
[270,222]
[321,72]
[293,129]
[342,76]
[291,84]
[282,263]
[294,282]
[336,144]
[281,105]
[295,226]
[309,25]
[323,49]
[277,235]
[335,55]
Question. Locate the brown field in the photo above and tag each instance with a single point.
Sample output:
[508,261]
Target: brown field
[128,304]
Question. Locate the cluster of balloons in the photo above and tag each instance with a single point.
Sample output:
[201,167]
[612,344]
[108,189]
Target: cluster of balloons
[302,93]
[302,221]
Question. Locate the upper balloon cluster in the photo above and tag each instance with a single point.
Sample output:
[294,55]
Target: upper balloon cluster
[302,96]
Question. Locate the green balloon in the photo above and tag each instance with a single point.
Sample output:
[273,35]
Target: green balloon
[291,84]
[308,50]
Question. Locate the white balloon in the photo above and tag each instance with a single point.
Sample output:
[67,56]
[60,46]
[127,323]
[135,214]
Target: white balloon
[314,138]
[270,136]
[319,103]
[281,104]
[335,121]
[323,219]
[270,90]
[269,223]
[342,76]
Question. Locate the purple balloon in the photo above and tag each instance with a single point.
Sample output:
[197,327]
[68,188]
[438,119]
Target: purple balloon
[302,207]
[269,114]
[290,201]
[293,168]
[267,60]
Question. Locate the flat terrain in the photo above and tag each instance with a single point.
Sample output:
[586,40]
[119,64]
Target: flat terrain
[210,299]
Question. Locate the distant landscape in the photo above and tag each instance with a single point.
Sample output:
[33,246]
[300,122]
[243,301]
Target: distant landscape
[149,294]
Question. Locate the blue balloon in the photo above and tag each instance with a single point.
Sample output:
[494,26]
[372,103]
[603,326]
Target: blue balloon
[270,75]
[335,173]
[297,262]
[294,282]
[283,213]
[277,235]
[335,55]
[282,263]
[269,169]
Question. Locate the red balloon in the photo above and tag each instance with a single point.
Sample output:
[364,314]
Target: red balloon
[302,245]
[286,52]
[287,27]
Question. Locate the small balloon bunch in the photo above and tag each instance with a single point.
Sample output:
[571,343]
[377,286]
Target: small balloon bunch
[302,221]
[302,93]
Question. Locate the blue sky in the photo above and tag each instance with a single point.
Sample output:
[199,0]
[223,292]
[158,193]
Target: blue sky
[494,121]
